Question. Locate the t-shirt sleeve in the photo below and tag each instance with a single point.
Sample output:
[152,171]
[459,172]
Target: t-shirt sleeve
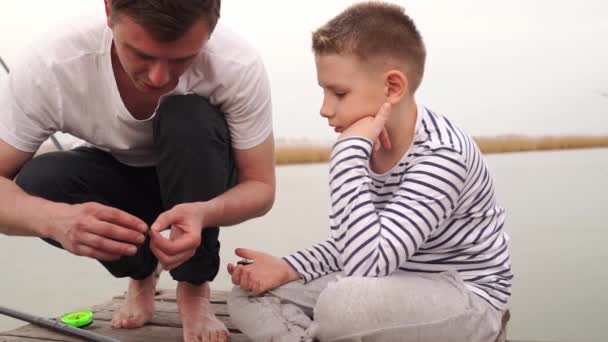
[249,107]
[29,105]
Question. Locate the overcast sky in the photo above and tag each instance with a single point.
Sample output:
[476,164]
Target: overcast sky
[494,67]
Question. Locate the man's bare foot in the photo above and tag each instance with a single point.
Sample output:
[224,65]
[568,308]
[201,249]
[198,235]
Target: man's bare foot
[198,319]
[139,303]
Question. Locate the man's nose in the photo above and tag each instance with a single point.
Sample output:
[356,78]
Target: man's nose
[159,74]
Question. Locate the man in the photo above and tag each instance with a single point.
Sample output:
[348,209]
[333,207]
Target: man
[176,116]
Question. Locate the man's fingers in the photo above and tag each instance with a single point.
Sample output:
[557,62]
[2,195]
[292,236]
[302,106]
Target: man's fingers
[105,245]
[121,218]
[183,243]
[90,252]
[115,232]
[161,256]
[164,221]
[171,262]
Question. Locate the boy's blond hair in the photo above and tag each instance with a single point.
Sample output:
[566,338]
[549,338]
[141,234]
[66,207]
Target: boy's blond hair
[375,32]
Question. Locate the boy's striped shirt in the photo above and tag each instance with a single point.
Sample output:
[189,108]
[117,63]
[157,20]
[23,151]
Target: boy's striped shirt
[435,211]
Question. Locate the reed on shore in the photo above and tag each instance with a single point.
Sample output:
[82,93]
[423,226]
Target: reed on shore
[303,153]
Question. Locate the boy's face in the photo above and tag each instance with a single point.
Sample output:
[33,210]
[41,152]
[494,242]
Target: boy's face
[351,89]
[155,67]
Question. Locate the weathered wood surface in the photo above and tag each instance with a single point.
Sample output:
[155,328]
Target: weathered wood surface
[164,327]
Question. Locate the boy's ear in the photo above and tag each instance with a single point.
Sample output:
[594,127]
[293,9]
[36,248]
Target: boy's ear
[396,86]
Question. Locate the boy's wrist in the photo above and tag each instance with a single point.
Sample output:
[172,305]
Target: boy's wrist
[290,273]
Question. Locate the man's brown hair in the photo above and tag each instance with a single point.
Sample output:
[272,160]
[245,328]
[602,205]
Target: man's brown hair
[168,20]
[375,31]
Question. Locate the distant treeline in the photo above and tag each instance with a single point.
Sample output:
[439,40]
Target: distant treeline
[309,153]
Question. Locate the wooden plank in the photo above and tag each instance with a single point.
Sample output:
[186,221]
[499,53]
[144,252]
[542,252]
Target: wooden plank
[19,339]
[165,326]
[166,295]
[147,333]
[160,306]
[166,314]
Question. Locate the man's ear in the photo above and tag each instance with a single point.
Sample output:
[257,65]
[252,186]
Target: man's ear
[108,6]
[396,86]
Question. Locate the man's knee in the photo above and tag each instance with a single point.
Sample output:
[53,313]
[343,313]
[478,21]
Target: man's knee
[205,264]
[190,120]
[44,177]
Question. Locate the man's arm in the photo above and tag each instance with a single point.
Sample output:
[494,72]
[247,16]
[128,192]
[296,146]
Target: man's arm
[253,196]
[16,214]
[89,229]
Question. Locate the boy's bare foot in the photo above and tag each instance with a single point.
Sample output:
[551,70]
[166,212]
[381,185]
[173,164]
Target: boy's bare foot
[139,304]
[198,319]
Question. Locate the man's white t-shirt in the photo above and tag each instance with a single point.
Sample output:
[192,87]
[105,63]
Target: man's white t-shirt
[66,83]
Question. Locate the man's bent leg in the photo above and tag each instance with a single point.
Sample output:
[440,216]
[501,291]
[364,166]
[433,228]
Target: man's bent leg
[90,175]
[195,164]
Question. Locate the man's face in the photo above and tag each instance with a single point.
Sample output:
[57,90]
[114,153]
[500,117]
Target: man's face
[351,90]
[154,67]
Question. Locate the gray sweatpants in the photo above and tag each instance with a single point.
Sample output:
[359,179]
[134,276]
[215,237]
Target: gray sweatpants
[403,307]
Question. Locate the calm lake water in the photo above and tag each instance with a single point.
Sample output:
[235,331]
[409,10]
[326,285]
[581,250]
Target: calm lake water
[557,220]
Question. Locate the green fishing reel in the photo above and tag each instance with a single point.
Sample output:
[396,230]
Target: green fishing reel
[78,319]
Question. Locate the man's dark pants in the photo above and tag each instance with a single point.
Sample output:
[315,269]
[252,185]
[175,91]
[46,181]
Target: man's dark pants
[195,164]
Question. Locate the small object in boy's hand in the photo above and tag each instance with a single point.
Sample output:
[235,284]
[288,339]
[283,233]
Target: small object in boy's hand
[244,262]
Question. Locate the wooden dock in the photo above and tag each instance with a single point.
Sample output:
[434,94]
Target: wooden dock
[164,327]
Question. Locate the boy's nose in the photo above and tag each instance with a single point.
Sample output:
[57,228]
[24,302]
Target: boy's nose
[326,112]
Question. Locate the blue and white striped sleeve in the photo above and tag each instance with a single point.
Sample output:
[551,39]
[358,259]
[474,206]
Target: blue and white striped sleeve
[316,261]
[374,243]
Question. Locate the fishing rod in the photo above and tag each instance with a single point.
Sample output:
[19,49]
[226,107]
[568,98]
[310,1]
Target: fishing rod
[3,65]
[56,325]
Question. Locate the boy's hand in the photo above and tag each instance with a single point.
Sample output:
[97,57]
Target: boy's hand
[266,272]
[372,128]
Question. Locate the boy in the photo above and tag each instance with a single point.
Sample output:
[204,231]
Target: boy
[417,250]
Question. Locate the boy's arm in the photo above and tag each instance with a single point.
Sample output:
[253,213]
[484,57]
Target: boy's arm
[375,242]
[316,261]
[261,272]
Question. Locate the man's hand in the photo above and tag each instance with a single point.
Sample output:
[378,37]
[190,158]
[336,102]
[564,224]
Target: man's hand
[266,272]
[372,128]
[186,222]
[97,231]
